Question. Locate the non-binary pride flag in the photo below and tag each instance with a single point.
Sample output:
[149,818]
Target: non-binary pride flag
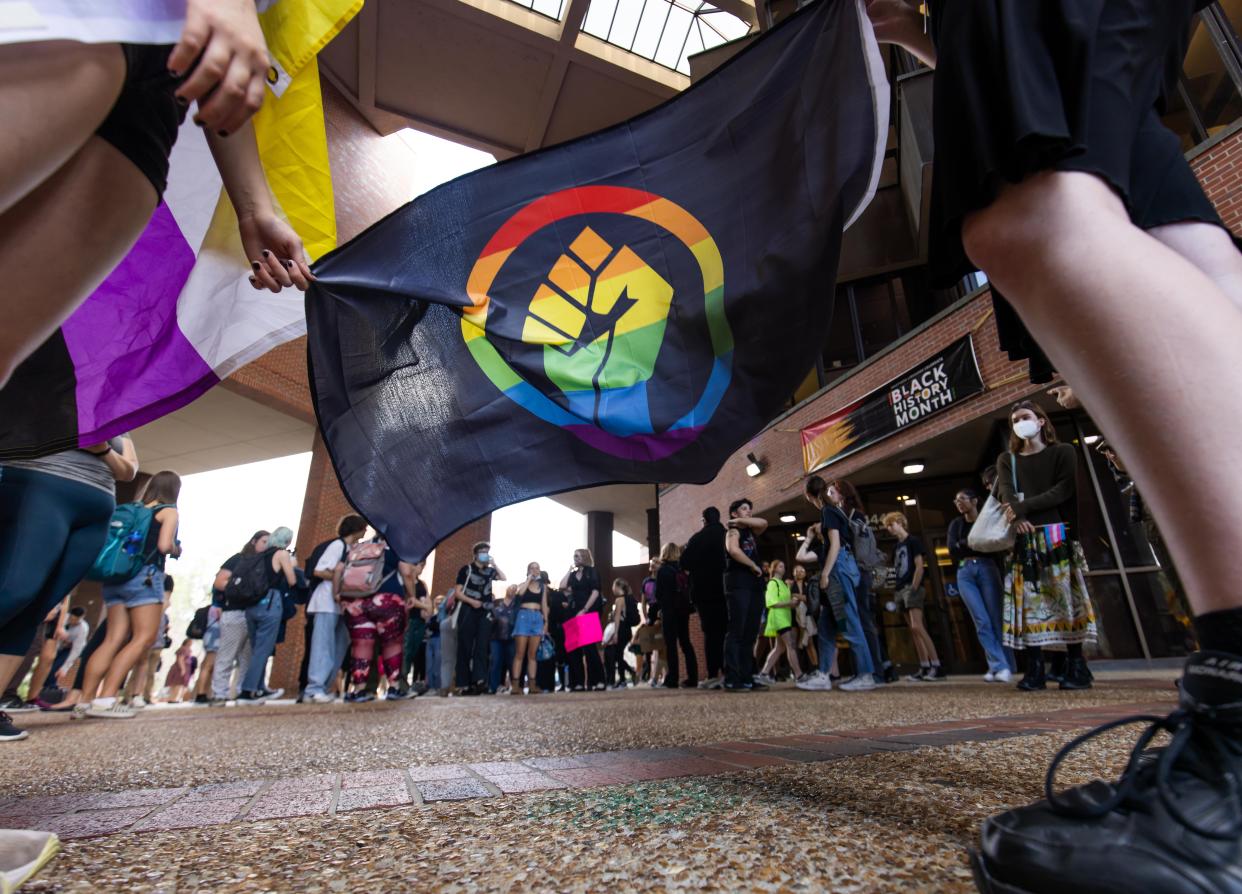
[628,307]
[178,314]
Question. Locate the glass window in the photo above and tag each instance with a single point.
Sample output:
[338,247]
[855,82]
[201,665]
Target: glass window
[882,314]
[1115,629]
[1163,612]
[1205,76]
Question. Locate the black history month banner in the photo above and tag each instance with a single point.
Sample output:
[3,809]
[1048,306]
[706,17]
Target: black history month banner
[940,382]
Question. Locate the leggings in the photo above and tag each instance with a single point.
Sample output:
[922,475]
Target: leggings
[381,617]
[51,530]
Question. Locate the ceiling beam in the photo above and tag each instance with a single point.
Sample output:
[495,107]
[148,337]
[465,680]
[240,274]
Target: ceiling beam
[554,81]
[368,41]
[742,9]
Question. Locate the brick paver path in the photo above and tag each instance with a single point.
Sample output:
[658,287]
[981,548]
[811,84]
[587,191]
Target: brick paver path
[105,813]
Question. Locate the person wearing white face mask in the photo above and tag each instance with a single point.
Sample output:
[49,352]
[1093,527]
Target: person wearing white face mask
[1046,601]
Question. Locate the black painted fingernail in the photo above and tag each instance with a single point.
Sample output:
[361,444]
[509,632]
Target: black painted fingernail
[254,264]
[175,74]
[289,264]
[253,281]
[199,121]
[182,101]
[266,253]
[222,133]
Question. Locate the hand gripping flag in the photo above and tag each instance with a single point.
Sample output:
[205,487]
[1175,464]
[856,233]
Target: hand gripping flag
[178,314]
[628,307]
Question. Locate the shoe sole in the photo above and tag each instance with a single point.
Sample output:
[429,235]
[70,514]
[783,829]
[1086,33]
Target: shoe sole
[17,738]
[984,880]
[25,873]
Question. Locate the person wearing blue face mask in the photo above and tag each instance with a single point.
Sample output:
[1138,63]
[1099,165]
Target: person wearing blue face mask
[474,592]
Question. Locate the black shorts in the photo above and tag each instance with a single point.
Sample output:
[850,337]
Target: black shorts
[144,120]
[1066,85]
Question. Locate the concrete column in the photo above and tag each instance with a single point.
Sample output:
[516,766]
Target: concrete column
[599,542]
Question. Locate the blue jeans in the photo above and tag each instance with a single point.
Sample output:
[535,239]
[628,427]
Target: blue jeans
[433,662]
[262,625]
[503,651]
[329,642]
[979,582]
[828,629]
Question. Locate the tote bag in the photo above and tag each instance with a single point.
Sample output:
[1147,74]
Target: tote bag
[583,630]
[991,533]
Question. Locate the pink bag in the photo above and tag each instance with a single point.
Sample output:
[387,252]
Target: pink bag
[583,630]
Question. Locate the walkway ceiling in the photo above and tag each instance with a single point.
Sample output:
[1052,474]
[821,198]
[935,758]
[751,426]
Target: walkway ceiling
[502,77]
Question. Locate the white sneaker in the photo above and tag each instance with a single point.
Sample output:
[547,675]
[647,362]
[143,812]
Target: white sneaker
[116,711]
[1002,676]
[817,682]
[764,679]
[321,698]
[989,677]
[138,702]
[860,683]
[79,711]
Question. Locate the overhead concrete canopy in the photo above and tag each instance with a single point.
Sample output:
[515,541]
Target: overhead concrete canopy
[509,76]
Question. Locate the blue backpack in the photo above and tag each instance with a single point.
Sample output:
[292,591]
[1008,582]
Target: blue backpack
[121,557]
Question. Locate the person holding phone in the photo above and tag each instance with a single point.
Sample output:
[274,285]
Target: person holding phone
[474,626]
[531,622]
[744,582]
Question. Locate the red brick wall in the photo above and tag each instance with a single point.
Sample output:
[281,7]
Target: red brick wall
[780,447]
[1219,168]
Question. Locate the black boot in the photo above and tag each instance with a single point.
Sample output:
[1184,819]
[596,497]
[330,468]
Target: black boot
[1077,676]
[1034,678]
[1172,825]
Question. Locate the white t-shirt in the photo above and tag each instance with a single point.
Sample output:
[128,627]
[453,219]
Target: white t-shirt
[321,599]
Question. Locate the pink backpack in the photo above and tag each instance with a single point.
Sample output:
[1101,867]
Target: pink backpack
[364,570]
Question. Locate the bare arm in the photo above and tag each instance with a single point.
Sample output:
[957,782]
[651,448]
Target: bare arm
[834,550]
[734,549]
[917,580]
[222,579]
[275,251]
[122,465]
[167,543]
[284,562]
[896,21]
[565,580]
[590,602]
[338,574]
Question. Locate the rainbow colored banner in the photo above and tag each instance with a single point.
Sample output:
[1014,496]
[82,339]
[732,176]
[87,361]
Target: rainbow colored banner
[178,314]
[628,307]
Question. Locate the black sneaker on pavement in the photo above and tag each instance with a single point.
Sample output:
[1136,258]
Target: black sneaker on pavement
[1172,824]
[756,686]
[8,732]
[201,699]
[735,687]
[935,673]
[918,676]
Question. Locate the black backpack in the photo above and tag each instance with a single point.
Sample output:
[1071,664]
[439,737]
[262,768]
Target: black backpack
[198,624]
[249,582]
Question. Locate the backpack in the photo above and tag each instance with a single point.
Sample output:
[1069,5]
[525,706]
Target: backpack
[121,557]
[198,624]
[866,550]
[249,582]
[364,570]
[683,590]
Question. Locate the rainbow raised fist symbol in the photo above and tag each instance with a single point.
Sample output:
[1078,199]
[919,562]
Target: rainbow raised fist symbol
[600,317]
[583,352]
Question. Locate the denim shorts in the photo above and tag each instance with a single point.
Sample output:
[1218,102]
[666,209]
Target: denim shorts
[529,623]
[144,588]
[211,638]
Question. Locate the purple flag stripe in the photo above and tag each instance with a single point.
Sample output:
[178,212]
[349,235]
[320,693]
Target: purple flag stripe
[128,352]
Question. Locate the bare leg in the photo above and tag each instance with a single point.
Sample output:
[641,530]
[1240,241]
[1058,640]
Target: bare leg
[922,640]
[515,672]
[8,667]
[46,656]
[204,675]
[101,660]
[146,623]
[791,647]
[62,240]
[1210,249]
[53,96]
[774,655]
[1147,339]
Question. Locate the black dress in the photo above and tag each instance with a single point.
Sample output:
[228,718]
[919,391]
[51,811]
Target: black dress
[1023,86]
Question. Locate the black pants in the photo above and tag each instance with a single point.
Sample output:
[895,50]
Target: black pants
[307,629]
[594,667]
[474,635]
[676,623]
[871,630]
[744,597]
[714,620]
[614,657]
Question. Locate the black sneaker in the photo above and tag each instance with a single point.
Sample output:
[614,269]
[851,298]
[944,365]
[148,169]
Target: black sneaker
[1172,824]
[936,672]
[756,686]
[8,732]
[735,687]
[918,676]
[201,699]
